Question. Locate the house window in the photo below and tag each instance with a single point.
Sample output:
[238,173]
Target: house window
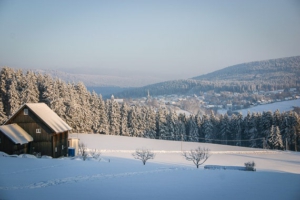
[62,146]
[55,149]
[25,111]
[0,140]
[38,130]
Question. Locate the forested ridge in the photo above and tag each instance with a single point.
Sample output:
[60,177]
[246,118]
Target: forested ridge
[266,75]
[87,112]
[271,70]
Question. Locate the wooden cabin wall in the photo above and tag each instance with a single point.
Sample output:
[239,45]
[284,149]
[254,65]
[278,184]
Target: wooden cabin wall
[6,144]
[29,119]
[10,147]
[60,144]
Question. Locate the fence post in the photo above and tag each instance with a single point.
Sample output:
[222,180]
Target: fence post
[181,141]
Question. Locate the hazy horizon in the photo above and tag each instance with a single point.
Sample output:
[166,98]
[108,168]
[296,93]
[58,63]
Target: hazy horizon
[163,39]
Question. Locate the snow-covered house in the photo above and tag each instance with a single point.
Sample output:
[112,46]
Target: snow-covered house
[37,129]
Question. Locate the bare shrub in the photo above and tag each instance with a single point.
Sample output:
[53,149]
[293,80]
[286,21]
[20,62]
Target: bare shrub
[143,155]
[198,155]
[95,154]
[250,166]
[82,150]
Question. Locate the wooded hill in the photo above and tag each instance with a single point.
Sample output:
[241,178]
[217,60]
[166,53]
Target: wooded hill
[274,70]
[265,75]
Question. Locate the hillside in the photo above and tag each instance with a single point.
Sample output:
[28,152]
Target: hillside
[265,75]
[168,176]
[275,69]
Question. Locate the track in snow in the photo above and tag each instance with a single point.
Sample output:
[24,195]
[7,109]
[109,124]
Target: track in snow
[32,169]
[76,179]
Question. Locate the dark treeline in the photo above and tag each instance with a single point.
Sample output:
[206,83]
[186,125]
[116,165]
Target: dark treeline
[189,86]
[87,112]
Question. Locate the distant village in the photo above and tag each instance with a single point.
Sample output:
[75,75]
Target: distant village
[207,101]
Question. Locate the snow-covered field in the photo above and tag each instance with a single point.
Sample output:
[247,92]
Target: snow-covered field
[168,176]
[282,106]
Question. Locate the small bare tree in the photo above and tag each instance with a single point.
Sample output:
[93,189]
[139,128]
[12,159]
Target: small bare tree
[143,155]
[82,150]
[198,156]
[95,154]
[250,166]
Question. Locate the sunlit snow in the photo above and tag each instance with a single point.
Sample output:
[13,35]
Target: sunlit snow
[282,106]
[169,176]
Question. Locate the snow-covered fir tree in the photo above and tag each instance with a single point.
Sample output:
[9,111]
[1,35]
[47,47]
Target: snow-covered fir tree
[180,128]
[192,129]
[3,116]
[161,124]
[150,131]
[253,133]
[246,130]
[6,79]
[171,124]
[103,127]
[94,102]
[276,118]
[133,122]
[114,117]
[124,120]
[215,125]
[267,122]
[207,129]
[275,139]
[198,120]
[225,129]
[260,133]
[30,92]
[289,129]
[14,100]
[142,120]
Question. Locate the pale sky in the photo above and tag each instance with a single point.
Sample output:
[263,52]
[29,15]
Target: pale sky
[167,39]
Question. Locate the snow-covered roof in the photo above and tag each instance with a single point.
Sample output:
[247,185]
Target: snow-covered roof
[16,134]
[49,117]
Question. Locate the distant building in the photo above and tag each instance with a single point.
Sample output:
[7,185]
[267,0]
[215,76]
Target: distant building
[120,101]
[35,128]
[229,106]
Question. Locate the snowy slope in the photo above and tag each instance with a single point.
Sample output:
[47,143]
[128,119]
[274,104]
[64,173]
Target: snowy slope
[282,106]
[168,176]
